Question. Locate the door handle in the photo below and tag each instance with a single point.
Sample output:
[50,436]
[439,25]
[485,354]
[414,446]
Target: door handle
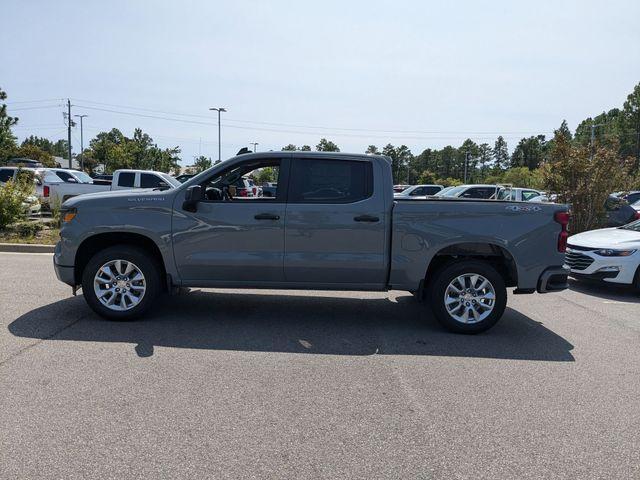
[266,216]
[366,218]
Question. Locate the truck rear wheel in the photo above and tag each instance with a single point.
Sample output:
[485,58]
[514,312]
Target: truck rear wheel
[121,282]
[468,296]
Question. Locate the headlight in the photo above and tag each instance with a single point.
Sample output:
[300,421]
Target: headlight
[608,252]
[68,214]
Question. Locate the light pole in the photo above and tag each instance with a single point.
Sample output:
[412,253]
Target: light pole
[219,110]
[81,117]
[255,144]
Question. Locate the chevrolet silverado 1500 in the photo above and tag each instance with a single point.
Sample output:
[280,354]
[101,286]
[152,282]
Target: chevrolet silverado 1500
[333,224]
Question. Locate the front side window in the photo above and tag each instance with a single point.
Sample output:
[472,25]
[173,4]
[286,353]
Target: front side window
[6,175]
[126,179]
[148,180]
[330,181]
[240,182]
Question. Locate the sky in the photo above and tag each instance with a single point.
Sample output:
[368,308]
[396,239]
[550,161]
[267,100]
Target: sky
[425,74]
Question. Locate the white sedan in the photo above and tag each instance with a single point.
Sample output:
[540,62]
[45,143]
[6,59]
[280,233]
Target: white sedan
[608,254]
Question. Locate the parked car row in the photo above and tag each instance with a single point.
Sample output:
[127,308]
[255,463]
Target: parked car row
[486,192]
[54,186]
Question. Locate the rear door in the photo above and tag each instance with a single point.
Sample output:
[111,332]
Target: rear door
[335,223]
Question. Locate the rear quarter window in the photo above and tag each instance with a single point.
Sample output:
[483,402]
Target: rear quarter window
[126,179]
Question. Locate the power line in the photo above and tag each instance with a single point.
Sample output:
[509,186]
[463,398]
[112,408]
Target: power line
[293,125]
[35,108]
[294,132]
[36,101]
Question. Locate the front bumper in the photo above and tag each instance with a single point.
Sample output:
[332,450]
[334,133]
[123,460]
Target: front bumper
[64,273]
[606,269]
[554,279]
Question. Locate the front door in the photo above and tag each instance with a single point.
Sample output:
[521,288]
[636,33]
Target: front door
[236,234]
[336,224]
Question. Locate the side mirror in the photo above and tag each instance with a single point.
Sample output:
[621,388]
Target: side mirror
[191,198]
[163,185]
[72,180]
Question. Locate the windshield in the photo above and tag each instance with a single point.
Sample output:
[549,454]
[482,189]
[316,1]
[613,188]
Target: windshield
[171,180]
[634,226]
[83,177]
[450,191]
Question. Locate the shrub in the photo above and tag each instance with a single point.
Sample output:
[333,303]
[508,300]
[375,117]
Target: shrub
[584,178]
[12,195]
[11,209]
[28,229]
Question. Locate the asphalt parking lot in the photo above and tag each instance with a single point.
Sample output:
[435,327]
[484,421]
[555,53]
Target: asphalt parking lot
[267,384]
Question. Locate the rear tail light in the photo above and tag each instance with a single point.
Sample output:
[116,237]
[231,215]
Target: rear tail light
[243,192]
[638,215]
[255,192]
[563,219]
[45,191]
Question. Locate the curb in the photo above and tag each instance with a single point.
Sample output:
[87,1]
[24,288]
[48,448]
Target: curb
[26,248]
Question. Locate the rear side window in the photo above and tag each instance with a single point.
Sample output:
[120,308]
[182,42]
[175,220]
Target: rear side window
[529,194]
[426,190]
[148,180]
[65,176]
[126,179]
[330,181]
[6,175]
[479,192]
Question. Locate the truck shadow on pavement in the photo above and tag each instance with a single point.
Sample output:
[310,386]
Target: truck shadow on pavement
[315,323]
[607,291]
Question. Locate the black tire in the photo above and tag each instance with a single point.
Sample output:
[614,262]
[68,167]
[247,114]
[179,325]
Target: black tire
[145,262]
[447,274]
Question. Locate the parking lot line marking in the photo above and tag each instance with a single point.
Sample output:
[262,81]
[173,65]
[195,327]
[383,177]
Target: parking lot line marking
[27,253]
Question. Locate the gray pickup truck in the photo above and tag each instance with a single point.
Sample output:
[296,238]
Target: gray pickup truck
[333,224]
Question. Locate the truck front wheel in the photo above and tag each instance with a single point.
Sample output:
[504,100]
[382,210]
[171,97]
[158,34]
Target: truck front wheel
[468,296]
[121,282]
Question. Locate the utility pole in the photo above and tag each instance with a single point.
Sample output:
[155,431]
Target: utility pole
[81,141]
[219,110]
[466,161]
[69,121]
[255,144]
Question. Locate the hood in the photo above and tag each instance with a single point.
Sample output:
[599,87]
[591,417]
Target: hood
[607,238]
[114,195]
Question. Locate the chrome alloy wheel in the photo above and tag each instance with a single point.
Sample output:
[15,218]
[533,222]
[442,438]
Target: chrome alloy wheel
[469,298]
[119,285]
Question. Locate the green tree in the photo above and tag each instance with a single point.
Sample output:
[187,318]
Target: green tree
[36,153]
[327,146]
[372,150]
[266,174]
[584,180]
[201,163]
[485,157]
[400,158]
[530,152]
[289,148]
[7,140]
[500,154]
[114,150]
